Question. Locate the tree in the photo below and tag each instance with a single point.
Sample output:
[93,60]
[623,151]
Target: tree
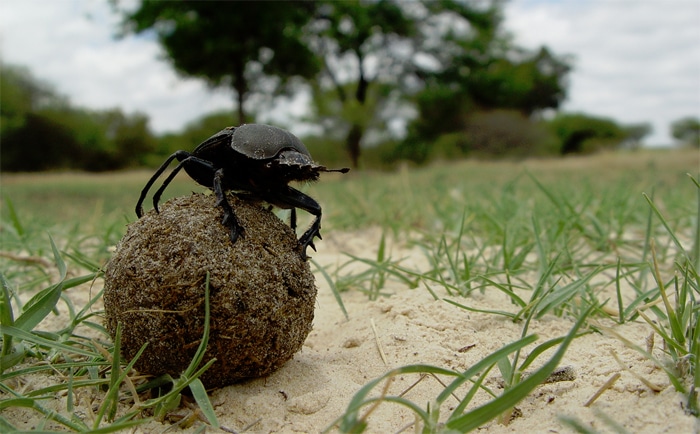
[527,82]
[635,133]
[246,46]
[357,42]
[687,131]
[30,139]
[478,75]
[41,130]
[376,53]
[23,93]
[580,133]
[484,76]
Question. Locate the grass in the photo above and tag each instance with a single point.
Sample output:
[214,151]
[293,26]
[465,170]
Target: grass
[562,238]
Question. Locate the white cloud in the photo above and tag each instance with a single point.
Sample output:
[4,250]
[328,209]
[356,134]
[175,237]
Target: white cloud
[72,44]
[635,60]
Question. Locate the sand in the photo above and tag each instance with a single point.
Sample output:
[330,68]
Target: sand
[409,326]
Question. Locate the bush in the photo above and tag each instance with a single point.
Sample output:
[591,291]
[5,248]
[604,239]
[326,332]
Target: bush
[687,131]
[584,134]
[498,133]
[507,133]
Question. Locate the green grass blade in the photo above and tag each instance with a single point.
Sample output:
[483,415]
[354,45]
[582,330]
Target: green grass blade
[695,252]
[473,309]
[350,420]
[485,363]
[511,397]
[618,292]
[199,393]
[6,319]
[472,391]
[201,350]
[44,342]
[120,426]
[673,378]
[39,307]
[12,359]
[14,218]
[559,296]
[60,264]
[50,414]
[334,288]
[670,231]
[116,379]
[6,426]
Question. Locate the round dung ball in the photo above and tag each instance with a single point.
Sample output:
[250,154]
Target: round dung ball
[262,292]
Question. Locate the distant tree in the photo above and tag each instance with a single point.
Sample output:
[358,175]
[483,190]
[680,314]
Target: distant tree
[41,130]
[687,131]
[523,81]
[358,43]
[635,133]
[38,144]
[478,74]
[488,76]
[507,133]
[23,93]
[248,47]
[31,140]
[129,136]
[377,53]
[581,133]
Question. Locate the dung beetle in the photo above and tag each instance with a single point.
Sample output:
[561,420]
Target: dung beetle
[255,160]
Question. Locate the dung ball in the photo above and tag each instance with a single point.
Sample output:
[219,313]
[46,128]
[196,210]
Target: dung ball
[262,292]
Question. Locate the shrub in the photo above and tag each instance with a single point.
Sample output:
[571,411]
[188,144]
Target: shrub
[584,134]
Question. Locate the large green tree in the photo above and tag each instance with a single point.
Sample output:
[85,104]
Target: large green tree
[376,53]
[359,44]
[246,46]
[485,73]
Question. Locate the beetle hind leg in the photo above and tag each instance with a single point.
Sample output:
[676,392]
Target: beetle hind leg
[181,156]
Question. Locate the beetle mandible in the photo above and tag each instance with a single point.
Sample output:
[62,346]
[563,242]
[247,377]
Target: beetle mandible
[253,159]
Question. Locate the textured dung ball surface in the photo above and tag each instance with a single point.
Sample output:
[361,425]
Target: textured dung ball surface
[262,293]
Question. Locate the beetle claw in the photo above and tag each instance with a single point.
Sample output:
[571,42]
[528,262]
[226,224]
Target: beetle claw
[303,250]
[236,231]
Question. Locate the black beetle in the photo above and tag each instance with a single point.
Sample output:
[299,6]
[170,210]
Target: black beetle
[253,159]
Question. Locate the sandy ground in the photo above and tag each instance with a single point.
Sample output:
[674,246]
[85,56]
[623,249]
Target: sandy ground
[340,356]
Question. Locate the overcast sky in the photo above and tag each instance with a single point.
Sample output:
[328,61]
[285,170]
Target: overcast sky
[635,60]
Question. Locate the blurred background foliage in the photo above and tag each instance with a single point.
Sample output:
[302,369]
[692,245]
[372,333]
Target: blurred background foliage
[388,81]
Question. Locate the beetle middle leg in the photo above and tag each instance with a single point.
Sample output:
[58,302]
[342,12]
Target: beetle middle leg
[293,219]
[229,219]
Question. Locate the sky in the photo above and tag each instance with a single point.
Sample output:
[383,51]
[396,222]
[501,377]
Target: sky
[634,60]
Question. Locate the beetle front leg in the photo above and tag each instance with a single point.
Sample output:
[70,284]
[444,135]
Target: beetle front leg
[229,219]
[293,198]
